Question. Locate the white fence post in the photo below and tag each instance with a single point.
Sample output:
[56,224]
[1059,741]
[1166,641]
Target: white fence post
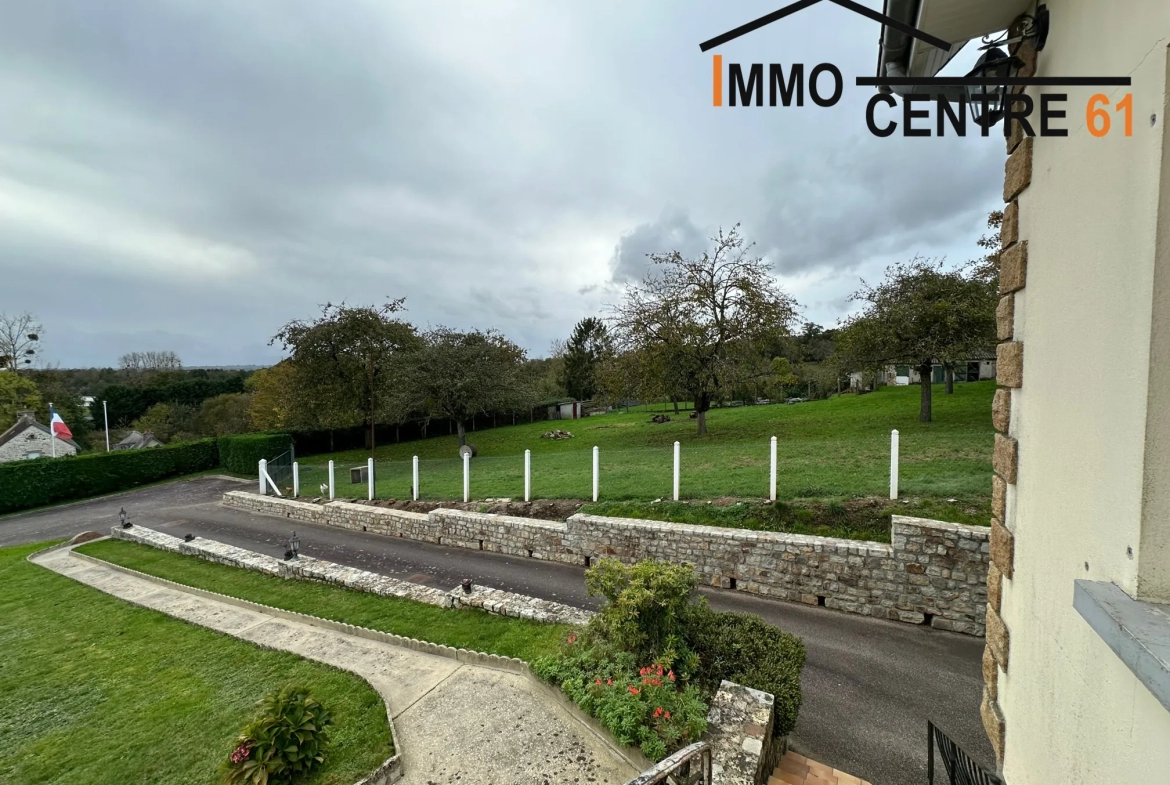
[596,471]
[370,476]
[894,464]
[296,479]
[263,477]
[677,450]
[527,475]
[772,471]
[331,481]
[414,479]
[467,476]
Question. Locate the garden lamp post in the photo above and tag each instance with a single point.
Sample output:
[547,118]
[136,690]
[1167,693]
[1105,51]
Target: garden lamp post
[294,545]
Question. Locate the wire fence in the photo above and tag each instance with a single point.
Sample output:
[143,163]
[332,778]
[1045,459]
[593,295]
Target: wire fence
[841,468]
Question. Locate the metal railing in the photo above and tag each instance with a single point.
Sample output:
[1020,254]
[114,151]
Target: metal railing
[689,766]
[961,769]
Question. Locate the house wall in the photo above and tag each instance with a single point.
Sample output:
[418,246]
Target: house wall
[29,440]
[1083,471]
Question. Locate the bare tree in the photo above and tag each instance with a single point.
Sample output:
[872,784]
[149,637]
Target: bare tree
[150,361]
[705,321]
[20,340]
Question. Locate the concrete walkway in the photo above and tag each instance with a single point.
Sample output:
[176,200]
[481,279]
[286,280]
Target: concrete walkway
[456,723]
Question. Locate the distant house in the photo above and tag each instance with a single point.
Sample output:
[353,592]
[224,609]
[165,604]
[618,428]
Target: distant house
[973,369]
[29,439]
[138,441]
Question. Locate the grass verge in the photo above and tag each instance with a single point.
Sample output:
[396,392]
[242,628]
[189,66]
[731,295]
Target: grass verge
[96,691]
[847,519]
[466,628]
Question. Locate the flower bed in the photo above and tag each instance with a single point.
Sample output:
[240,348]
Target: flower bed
[647,665]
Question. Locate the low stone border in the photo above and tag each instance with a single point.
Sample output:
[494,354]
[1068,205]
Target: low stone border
[506,603]
[495,601]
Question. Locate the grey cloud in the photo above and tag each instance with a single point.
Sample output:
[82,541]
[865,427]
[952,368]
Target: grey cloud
[199,173]
[836,207]
[671,231]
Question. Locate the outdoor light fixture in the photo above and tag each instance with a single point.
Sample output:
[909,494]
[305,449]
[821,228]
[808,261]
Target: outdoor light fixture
[122,517]
[987,100]
[188,537]
[294,545]
[467,585]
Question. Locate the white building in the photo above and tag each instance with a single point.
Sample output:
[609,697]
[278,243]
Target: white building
[29,439]
[1077,664]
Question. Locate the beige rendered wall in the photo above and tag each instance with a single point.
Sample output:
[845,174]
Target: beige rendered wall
[1089,417]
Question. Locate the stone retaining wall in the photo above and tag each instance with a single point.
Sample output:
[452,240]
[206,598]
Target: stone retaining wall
[931,572]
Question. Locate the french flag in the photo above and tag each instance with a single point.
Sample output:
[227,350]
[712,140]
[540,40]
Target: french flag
[60,429]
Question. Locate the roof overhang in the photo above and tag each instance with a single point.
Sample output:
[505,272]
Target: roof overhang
[956,21]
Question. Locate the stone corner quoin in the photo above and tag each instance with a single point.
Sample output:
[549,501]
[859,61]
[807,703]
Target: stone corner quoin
[932,572]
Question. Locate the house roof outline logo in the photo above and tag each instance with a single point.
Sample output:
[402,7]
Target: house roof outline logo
[800,5]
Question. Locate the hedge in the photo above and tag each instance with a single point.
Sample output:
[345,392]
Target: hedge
[241,454]
[35,483]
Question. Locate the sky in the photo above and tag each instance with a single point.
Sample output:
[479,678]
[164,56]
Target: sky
[191,175]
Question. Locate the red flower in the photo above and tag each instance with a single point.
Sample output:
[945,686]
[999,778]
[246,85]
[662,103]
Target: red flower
[670,675]
[599,682]
[572,638]
[668,715]
[633,690]
[609,682]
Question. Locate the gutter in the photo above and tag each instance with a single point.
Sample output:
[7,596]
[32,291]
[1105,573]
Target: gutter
[894,49]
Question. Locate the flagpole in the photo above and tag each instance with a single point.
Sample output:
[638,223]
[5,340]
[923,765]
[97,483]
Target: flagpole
[52,438]
[106,412]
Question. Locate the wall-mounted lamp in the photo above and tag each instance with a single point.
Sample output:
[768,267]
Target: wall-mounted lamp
[995,64]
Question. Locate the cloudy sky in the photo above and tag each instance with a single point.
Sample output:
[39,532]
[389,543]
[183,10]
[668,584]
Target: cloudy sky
[191,174]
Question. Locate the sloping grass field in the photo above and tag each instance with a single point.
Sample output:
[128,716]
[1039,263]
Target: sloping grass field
[96,691]
[831,449]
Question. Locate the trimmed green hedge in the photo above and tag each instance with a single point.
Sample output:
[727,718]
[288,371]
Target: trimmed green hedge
[241,454]
[35,483]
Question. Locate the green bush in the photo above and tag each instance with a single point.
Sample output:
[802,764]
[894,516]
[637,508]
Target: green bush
[241,454]
[647,608]
[35,483]
[743,648]
[283,744]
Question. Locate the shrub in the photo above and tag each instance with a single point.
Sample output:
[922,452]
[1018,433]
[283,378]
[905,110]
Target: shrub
[646,610]
[743,648]
[241,454]
[283,744]
[35,483]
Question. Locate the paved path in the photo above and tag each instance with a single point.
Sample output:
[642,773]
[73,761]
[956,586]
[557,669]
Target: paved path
[456,723]
[869,685]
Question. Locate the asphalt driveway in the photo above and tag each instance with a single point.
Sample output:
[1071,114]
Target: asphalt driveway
[869,685]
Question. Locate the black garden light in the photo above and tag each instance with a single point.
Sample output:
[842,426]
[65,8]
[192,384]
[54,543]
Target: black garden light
[987,100]
[122,517]
[294,545]
[467,585]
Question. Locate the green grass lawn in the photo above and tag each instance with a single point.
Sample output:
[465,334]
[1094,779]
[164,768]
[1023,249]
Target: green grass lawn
[836,448]
[466,628]
[94,690]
